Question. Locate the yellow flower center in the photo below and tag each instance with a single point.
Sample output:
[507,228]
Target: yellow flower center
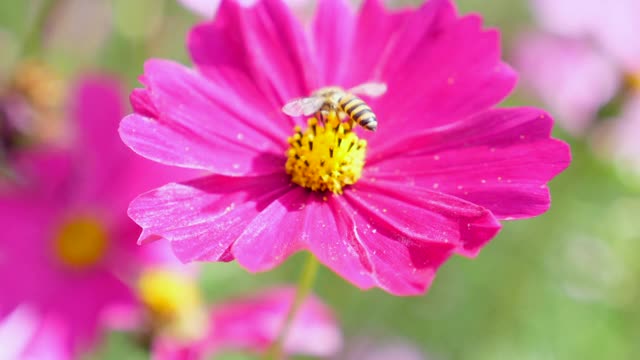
[633,81]
[326,157]
[81,242]
[166,292]
[174,303]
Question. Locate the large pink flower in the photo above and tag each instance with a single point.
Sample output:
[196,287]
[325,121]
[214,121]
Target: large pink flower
[67,247]
[441,171]
[254,323]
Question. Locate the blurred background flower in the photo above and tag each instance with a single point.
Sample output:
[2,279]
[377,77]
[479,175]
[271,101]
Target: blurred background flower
[584,62]
[68,248]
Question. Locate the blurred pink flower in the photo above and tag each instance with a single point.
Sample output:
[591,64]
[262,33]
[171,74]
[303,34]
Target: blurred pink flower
[584,56]
[569,75]
[254,323]
[440,173]
[67,246]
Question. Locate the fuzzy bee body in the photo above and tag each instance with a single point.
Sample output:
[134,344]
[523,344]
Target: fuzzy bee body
[357,110]
[343,101]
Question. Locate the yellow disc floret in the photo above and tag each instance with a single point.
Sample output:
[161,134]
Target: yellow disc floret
[326,158]
[81,242]
[167,293]
[633,81]
[173,301]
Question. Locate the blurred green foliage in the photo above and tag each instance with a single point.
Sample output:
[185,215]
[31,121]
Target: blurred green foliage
[561,286]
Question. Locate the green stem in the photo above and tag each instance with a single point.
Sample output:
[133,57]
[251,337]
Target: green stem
[305,284]
[32,45]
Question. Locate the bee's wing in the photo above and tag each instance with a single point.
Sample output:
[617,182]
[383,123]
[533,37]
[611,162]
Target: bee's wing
[372,89]
[303,106]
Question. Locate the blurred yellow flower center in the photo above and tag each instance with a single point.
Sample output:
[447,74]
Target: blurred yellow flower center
[633,81]
[81,242]
[173,301]
[35,80]
[167,293]
[325,158]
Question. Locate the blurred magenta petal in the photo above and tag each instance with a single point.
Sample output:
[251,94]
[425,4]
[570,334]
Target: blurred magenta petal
[16,330]
[569,75]
[441,170]
[575,18]
[254,323]
[90,182]
[205,8]
[613,25]
[618,27]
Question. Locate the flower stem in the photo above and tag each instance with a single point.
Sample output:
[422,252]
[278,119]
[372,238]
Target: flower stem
[305,284]
[32,45]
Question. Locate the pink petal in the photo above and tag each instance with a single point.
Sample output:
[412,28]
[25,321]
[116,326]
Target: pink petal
[16,331]
[259,53]
[204,8]
[569,75]
[618,29]
[500,159]
[613,25]
[36,336]
[202,218]
[235,142]
[406,234]
[254,323]
[573,18]
[428,217]
[435,64]
[142,103]
[41,174]
[275,233]
[331,32]
[383,38]
[166,348]
[325,238]
[97,104]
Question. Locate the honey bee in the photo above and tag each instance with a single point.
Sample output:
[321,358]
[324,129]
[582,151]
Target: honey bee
[334,98]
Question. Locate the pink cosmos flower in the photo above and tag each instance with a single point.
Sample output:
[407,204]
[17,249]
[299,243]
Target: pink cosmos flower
[585,55]
[254,323]
[381,209]
[66,249]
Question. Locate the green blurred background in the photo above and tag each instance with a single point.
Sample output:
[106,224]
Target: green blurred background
[561,286]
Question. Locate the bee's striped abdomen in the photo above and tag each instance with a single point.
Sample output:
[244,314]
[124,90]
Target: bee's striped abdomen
[358,111]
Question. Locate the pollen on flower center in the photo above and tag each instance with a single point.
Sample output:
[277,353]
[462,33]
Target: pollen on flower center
[81,242]
[325,157]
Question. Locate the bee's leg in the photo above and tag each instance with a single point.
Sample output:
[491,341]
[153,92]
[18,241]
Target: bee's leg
[350,121]
[321,117]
